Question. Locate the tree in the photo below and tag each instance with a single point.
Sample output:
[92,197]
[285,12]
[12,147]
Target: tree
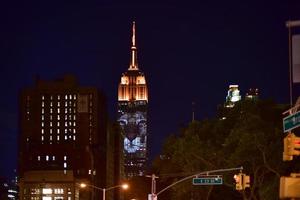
[248,135]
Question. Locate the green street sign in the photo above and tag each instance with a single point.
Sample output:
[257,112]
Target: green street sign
[208,181]
[290,122]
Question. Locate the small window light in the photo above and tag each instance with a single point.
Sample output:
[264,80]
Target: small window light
[47,157]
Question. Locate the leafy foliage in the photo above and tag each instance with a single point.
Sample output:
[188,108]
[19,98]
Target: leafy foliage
[248,135]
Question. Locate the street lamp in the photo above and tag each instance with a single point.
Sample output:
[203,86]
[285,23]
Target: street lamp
[123,186]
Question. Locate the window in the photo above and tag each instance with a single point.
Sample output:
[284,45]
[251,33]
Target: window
[65,157]
[42,138]
[58,131]
[47,191]
[65,165]
[42,131]
[53,157]
[39,158]
[43,103]
[51,131]
[43,110]
[43,97]
[58,138]
[58,117]
[47,158]
[58,110]
[43,118]
[50,137]
[58,97]
[58,124]
[58,104]
[42,124]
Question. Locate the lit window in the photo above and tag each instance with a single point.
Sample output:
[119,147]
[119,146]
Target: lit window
[51,117]
[43,103]
[53,157]
[66,96]
[70,123]
[74,96]
[70,96]
[66,124]
[43,110]
[66,117]
[58,110]
[39,158]
[66,131]
[57,123]
[70,117]
[90,171]
[59,191]
[43,118]
[42,138]
[50,124]
[58,104]
[74,123]
[50,130]
[43,97]
[66,104]
[42,124]
[94,172]
[51,103]
[74,137]
[74,130]
[66,137]
[66,110]
[58,138]
[58,117]
[65,165]
[47,191]
[42,131]
[58,97]
[58,130]
[47,158]
[65,157]
[74,117]
[51,110]
[51,97]
[50,137]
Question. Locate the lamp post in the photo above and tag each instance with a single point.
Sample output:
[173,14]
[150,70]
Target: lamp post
[104,190]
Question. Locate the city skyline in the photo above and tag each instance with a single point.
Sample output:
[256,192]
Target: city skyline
[190,53]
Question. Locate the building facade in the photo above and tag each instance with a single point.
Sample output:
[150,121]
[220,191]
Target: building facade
[63,141]
[132,115]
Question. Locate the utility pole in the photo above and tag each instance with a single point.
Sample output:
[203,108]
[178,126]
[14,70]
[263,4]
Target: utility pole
[289,25]
[153,186]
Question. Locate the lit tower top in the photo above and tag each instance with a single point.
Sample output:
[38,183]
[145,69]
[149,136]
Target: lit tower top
[133,64]
[133,85]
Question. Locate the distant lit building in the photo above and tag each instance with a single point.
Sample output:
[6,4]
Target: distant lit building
[252,94]
[132,115]
[63,141]
[8,189]
[233,96]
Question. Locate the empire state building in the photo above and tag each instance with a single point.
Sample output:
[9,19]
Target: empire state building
[132,115]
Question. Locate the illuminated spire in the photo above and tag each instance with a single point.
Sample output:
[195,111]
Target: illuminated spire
[133,62]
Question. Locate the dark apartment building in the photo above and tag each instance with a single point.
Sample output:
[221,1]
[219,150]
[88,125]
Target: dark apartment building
[64,142]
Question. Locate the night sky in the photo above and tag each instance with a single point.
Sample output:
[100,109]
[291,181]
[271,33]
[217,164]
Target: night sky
[188,52]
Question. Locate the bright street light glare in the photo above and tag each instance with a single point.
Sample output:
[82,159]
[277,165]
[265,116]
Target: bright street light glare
[125,186]
[82,185]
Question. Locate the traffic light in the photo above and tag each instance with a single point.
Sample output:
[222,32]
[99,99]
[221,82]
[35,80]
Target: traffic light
[291,145]
[242,181]
[246,181]
[238,181]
